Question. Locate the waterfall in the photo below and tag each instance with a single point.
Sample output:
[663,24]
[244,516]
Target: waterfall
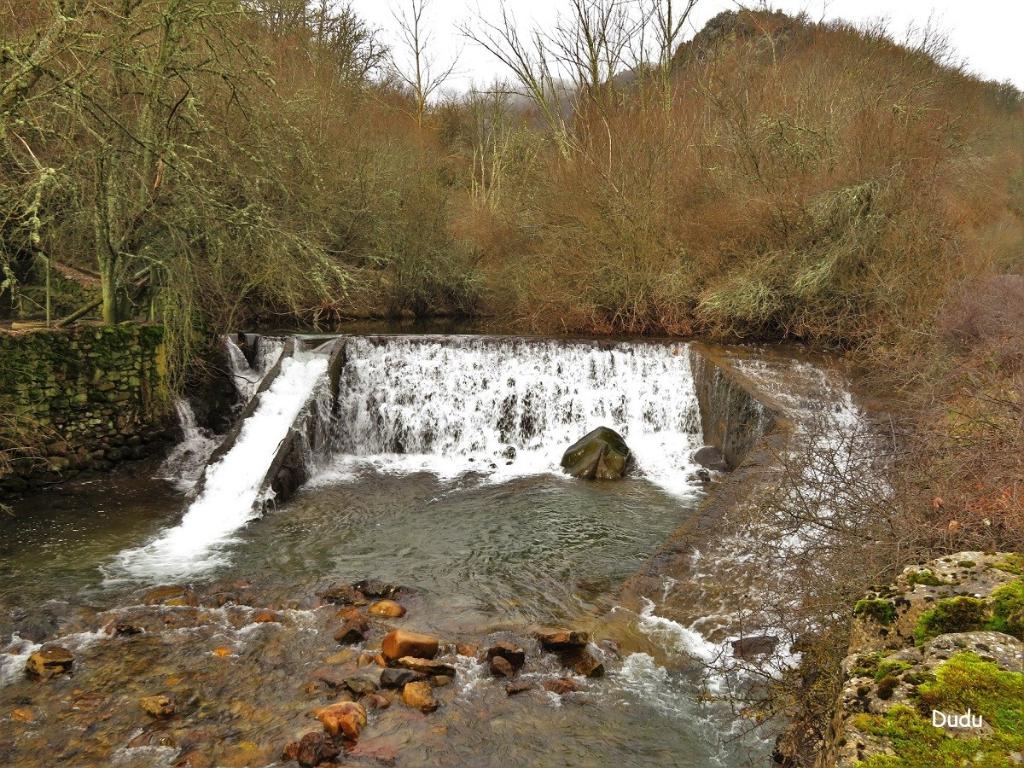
[184,465]
[508,407]
[229,498]
[247,378]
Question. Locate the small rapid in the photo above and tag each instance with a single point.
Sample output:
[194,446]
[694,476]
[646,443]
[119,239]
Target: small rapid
[229,497]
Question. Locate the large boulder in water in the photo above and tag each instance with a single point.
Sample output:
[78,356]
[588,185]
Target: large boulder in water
[600,455]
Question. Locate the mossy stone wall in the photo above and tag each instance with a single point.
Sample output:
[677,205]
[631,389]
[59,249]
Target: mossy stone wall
[83,398]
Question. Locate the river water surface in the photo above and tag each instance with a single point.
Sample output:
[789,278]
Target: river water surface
[420,490]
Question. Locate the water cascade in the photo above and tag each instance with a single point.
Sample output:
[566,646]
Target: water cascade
[233,483]
[185,463]
[492,407]
[245,376]
[507,407]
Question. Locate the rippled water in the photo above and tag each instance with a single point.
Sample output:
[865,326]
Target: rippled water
[484,553]
[482,559]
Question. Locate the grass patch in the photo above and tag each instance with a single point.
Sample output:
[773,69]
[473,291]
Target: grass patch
[881,611]
[964,682]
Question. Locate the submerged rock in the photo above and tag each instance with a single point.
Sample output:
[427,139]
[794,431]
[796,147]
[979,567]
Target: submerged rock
[419,696]
[599,455]
[467,649]
[516,687]
[352,632]
[387,609]
[360,686]
[159,705]
[171,594]
[344,718]
[426,666]
[562,640]
[398,678]
[377,701]
[377,589]
[500,667]
[343,594]
[753,646]
[49,662]
[561,685]
[311,750]
[582,662]
[400,642]
[510,652]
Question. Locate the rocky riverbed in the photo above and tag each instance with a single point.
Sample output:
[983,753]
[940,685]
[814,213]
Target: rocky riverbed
[210,676]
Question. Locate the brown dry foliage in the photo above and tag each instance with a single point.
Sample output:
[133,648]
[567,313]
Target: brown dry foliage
[817,182]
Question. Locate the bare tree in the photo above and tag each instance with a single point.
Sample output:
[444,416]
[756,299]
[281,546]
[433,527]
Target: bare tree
[668,18]
[420,72]
[592,41]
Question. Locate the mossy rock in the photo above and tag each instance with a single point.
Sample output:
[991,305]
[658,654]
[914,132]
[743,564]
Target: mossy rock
[954,614]
[877,609]
[927,577]
[599,455]
[1011,564]
[1008,609]
[964,682]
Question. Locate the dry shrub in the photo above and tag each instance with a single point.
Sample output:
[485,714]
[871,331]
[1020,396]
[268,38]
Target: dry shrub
[965,464]
[826,185]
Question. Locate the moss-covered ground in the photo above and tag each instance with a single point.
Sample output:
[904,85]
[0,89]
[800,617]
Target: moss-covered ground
[964,682]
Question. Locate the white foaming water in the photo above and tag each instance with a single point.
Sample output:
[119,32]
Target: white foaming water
[229,498]
[185,463]
[12,661]
[246,378]
[510,407]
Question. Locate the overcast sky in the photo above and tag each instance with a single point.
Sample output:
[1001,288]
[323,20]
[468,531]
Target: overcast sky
[987,34]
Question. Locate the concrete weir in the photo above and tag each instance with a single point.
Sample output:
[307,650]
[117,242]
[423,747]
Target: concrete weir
[730,418]
[308,433]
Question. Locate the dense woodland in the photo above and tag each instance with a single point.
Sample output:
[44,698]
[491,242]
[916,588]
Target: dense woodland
[215,163]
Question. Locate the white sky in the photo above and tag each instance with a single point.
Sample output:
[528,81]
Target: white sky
[987,34]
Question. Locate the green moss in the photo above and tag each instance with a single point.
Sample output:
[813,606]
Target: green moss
[926,577]
[1008,609]
[882,611]
[1012,564]
[886,686]
[890,667]
[964,682]
[954,614]
[966,563]
[866,665]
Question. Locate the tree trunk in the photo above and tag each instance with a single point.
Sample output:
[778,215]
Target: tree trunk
[108,286]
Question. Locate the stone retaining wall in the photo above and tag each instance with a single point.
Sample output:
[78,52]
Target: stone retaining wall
[79,399]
